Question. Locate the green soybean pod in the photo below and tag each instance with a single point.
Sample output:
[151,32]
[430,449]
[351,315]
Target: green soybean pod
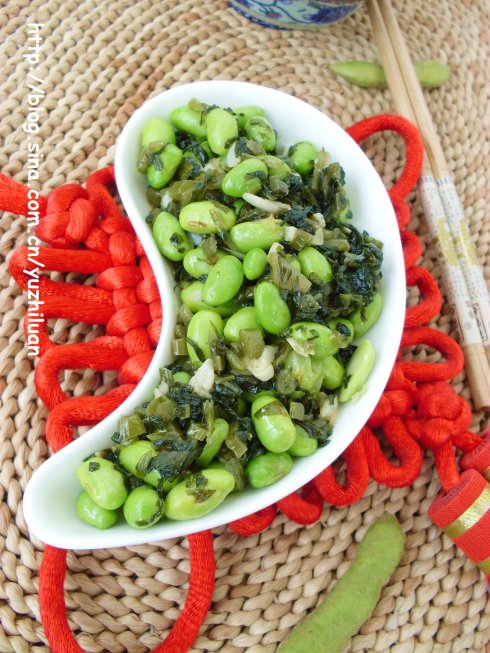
[254,263]
[354,596]
[218,435]
[303,445]
[157,129]
[274,428]
[171,239]
[302,156]
[313,262]
[206,217]
[224,281]
[191,296]
[204,327]
[257,234]
[357,370]
[188,120]
[343,329]
[170,159]
[131,455]
[143,507]
[333,373]
[249,111]
[199,494]
[363,318]
[259,129]
[103,482]
[93,514]
[272,311]
[245,318]
[245,177]
[268,468]
[221,130]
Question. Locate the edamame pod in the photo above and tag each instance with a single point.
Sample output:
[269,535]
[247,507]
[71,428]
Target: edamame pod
[363,318]
[93,514]
[268,468]
[207,217]
[257,234]
[199,494]
[272,423]
[103,482]
[171,239]
[259,129]
[357,371]
[245,318]
[272,311]
[143,507]
[169,160]
[204,327]
[224,281]
[188,120]
[313,262]
[157,129]
[246,177]
[254,263]
[221,130]
[302,156]
[303,445]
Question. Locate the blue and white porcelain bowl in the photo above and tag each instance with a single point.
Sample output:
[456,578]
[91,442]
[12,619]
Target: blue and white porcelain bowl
[295,14]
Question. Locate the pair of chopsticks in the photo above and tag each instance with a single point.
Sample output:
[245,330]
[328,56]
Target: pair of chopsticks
[462,275]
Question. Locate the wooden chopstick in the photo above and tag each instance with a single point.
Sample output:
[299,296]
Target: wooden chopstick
[466,292]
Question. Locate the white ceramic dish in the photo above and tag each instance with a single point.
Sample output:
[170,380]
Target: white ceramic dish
[49,500]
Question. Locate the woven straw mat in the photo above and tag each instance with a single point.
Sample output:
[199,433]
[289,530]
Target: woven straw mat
[99,62]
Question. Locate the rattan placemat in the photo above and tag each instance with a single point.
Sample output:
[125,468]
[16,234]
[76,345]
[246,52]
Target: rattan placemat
[98,62]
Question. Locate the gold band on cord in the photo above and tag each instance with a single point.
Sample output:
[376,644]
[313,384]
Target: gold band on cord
[471,515]
[484,565]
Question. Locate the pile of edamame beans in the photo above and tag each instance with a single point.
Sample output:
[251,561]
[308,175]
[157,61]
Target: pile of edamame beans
[277,286]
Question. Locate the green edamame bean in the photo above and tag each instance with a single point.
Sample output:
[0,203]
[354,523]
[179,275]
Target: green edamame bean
[343,329]
[354,597]
[196,264]
[306,370]
[93,514]
[221,130]
[224,281]
[249,111]
[259,129]
[333,373]
[143,507]
[170,159]
[272,311]
[181,377]
[203,328]
[268,468]
[303,445]
[157,129]
[313,262]
[191,296]
[245,318]
[276,166]
[274,428]
[188,120]
[357,371]
[199,494]
[363,318]
[319,338]
[302,156]
[243,178]
[206,217]
[133,453]
[103,482]
[214,441]
[171,239]
[258,234]
[254,263]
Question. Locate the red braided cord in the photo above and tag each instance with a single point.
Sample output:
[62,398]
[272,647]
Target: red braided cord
[89,235]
